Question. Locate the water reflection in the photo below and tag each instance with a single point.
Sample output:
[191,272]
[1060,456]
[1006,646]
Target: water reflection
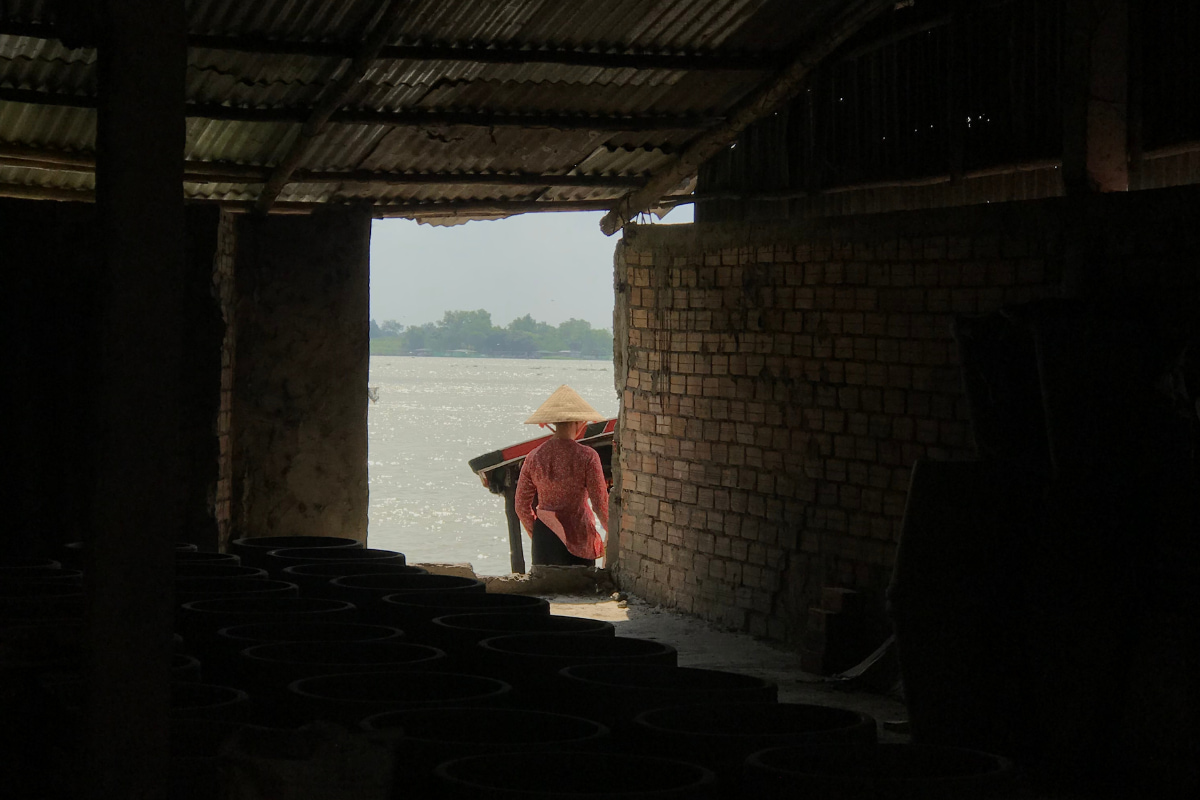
[433,415]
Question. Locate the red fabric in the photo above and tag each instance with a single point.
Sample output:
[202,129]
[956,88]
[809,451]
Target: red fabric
[559,477]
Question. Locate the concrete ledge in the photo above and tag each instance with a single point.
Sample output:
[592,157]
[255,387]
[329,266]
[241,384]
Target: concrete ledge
[552,580]
[464,570]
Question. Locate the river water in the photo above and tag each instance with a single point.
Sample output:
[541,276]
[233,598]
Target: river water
[435,414]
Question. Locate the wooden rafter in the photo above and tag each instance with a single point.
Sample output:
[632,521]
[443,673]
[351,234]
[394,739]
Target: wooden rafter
[473,52]
[760,103]
[451,208]
[208,172]
[563,121]
[332,98]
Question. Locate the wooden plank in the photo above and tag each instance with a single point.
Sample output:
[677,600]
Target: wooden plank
[516,533]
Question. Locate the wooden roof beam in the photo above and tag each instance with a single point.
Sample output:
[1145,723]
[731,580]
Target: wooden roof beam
[413,118]
[331,99]
[473,52]
[761,102]
[450,208]
[215,172]
[379,210]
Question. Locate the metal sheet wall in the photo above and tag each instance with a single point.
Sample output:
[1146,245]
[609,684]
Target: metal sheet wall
[952,90]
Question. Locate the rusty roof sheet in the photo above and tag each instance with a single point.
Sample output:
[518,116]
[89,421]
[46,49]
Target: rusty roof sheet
[38,73]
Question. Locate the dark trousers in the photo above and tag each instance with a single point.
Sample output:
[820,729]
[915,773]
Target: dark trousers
[549,549]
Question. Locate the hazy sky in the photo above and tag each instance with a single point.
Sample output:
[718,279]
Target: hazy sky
[554,266]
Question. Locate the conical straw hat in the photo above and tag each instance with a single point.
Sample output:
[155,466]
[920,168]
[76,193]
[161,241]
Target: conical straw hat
[565,405]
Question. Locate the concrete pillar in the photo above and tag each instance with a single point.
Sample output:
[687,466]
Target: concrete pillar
[137,513]
[299,416]
[203,332]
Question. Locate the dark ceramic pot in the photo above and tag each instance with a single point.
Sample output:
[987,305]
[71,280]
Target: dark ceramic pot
[253,550]
[555,775]
[882,772]
[616,693]
[459,634]
[352,697]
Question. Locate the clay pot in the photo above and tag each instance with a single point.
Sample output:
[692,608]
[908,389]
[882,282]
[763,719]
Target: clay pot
[188,699]
[206,617]
[881,772]
[723,735]
[277,560]
[281,663]
[196,745]
[185,668]
[427,737]
[39,649]
[253,550]
[188,590]
[367,591]
[29,602]
[458,634]
[314,578]
[209,701]
[565,775]
[239,637]
[18,562]
[10,576]
[216,569]
[415,612]
[74,554]
[616,693]
[268,669]
[200,620]
[206,557]
[531,661]
[352,697]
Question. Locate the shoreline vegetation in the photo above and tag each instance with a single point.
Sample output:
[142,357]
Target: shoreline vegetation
[471,334]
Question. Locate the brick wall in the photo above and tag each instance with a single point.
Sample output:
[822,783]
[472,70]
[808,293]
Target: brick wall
[778,384]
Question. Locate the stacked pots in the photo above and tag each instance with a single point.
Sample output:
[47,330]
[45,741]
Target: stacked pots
[474,694]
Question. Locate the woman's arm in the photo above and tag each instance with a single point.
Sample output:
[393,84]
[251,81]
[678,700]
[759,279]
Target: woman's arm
[526,494]
[597,489]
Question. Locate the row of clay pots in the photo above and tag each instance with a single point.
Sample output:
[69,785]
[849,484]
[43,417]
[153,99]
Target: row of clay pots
[461,689]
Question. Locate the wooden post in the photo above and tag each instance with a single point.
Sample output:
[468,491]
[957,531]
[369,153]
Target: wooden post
[137,510]
[956,112]
[516,542]
[1095,83]
[1095,96]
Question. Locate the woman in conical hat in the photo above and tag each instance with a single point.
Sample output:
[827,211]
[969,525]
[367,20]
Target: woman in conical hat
[557,481]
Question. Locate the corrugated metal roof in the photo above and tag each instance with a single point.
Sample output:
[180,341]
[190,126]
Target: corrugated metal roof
[266,82]
[617,24]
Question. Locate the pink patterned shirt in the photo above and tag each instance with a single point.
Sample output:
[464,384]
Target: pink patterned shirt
[560,476]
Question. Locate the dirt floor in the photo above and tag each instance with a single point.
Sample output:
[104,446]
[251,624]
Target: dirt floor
[703,645]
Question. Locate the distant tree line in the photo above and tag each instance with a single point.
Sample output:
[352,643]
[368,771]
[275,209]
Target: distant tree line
[473,332]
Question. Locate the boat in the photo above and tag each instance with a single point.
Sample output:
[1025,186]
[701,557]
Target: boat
[499,470]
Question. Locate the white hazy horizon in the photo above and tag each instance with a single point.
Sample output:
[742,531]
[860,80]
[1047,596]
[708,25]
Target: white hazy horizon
[553,266]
